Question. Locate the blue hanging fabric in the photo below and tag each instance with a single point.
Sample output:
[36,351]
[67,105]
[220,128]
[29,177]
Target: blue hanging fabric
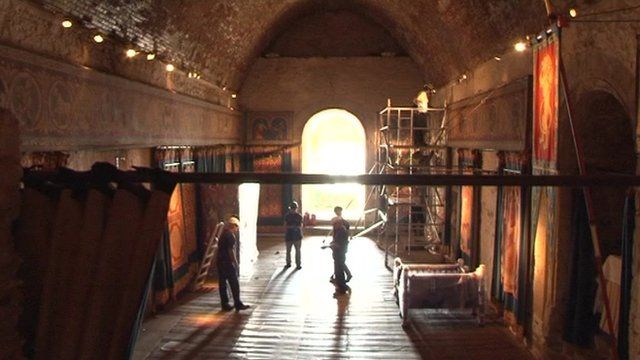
[581,323]
[628,228]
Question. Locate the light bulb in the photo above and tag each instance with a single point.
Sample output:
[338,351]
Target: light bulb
[151,56]
[98,38]
[170,67]
[131,53]
[520,46]
[67,24]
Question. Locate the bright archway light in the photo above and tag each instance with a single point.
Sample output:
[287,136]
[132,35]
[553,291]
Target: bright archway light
[333,143]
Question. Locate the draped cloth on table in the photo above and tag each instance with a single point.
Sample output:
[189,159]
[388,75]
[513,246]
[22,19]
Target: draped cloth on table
[581,322]
[86,270]
[508,280]
[178,256]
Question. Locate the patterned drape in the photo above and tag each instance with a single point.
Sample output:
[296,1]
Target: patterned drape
[273,198]
[511,250]
[508,249]
[178,257]
[469,162]
[209,209]
[88,251]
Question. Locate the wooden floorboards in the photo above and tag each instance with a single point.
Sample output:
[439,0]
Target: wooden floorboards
[294,315]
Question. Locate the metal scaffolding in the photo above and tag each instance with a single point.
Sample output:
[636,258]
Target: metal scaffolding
[411,142]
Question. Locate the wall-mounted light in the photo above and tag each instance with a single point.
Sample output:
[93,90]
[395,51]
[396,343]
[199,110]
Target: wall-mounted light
[573,12]
[233,96]
[151,56]
[67,24]
[170,67]
[520,46]
[98,38]
[497,58]
[130,53]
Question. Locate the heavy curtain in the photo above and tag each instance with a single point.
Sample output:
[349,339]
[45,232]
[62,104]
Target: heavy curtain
[88,250]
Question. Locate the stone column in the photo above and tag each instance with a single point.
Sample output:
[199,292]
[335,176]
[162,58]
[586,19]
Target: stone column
[10,303]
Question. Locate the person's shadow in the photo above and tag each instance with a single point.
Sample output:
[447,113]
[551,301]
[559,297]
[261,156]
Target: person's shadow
[341,331]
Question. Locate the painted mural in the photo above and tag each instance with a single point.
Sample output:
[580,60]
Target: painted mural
[61,106]
[495,119]
[268,127]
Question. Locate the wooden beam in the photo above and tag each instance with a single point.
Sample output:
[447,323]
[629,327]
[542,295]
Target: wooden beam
[151,175]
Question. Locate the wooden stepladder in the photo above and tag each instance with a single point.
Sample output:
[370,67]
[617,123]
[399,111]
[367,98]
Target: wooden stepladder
[207,258]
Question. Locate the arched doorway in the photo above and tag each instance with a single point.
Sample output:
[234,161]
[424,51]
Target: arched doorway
[333,142]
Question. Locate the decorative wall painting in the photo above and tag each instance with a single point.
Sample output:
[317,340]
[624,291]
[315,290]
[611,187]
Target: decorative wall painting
[266,127]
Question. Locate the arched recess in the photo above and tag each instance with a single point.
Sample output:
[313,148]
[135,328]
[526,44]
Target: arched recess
[606,131]
[334,143]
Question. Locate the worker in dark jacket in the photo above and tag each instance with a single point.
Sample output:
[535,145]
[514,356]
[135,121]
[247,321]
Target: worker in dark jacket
[228,266]
[339,247]
[293,234]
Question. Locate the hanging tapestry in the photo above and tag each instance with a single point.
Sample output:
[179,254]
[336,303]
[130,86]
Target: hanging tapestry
[545,110]
[466,219]
[178,258]
[208,160]
[544,212]
[510,239]
[181,219]
[270,195]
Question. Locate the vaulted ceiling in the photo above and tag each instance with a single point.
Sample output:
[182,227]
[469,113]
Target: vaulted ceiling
[222,38]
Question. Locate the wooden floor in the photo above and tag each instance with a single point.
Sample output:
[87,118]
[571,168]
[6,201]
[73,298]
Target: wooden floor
[294,315]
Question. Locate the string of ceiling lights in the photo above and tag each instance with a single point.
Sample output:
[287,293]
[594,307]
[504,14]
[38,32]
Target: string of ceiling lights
[131,51]
[522,45]
[571,16]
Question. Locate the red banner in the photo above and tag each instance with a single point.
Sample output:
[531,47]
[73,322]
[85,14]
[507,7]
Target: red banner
[545,111]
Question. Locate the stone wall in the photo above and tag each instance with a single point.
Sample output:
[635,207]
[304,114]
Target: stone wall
[306,86]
